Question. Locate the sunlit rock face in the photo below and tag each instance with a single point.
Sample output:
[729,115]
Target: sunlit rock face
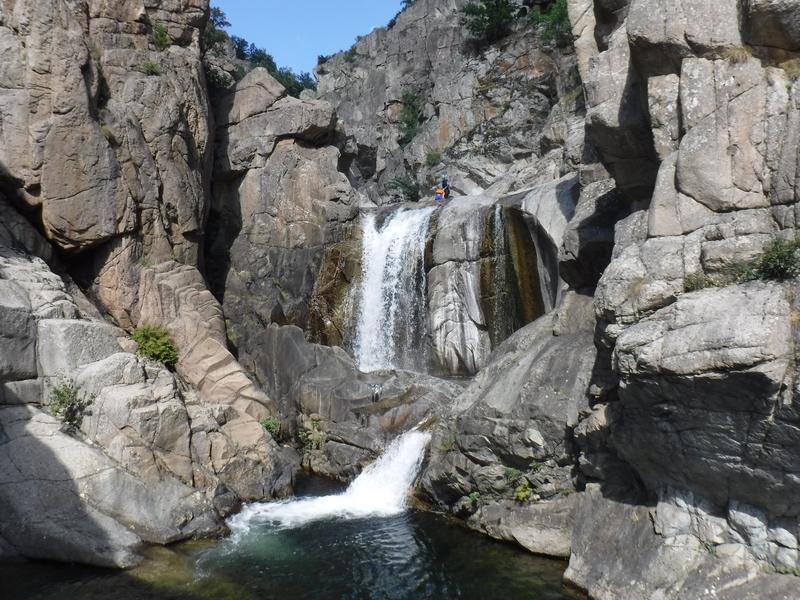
[279,202]
[105,137]
[495,119]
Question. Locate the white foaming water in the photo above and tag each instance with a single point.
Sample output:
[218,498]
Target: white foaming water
[392,294]
[380,491]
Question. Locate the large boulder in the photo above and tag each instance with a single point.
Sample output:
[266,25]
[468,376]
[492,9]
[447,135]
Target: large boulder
[772,23]
[506,441]
[343,418]
[279,202]
[68,501]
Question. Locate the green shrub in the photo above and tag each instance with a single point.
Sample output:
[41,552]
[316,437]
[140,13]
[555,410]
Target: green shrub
[160,37]
[780,260]
[554,22]
[272,426]
[156,343]
[489,20]
[67,402]
[218,79]
[151,69]
[697,281]
[512,474]
[433,158]
[535,467]
[409,118]
[407,187]
[474,498]
[108,134]
[523,492]
[213,33]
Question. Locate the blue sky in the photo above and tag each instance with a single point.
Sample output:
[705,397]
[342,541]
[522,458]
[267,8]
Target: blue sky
[295,32]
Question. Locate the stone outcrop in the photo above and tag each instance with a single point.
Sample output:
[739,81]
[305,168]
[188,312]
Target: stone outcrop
[152,460]
[343,418]
[697,398]
[494,119]
[106,136]
[279,201]
[511,430]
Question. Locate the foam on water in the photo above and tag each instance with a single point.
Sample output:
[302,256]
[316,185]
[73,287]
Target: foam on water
[380,491]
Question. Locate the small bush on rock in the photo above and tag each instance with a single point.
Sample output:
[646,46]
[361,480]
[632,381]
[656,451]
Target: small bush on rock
[151,69]
[67,402]
[156,343]
[409,118]
[554,22]
[272,426]
[781,260]
[489,20]
[433,158]
[407,187]
[523,492]
[160,37]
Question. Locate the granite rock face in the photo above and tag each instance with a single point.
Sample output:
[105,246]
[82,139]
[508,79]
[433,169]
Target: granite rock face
[504,458]
[342,417]
[696,396]
[150,459]
[106,136]
[494,119]
[279,202]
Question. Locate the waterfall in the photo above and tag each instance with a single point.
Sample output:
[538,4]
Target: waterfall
[379,491]
[391,311]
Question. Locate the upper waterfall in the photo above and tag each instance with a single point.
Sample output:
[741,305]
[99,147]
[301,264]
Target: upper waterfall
[391,315]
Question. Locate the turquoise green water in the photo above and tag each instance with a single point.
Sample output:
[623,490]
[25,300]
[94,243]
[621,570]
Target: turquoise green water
[414,555]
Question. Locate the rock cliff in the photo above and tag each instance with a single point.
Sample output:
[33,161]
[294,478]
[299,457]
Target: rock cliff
[632,404]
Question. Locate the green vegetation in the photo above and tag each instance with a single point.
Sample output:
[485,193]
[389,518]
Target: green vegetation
[512,474]
[779,261]
[409,118]
[305,439]
[156,343]
[67,402]
[433,158]
[489,20]
[407,187]
[218,80]
[523,492]
[214,38]
[151,69]
[474,497]
[159,37]
[792,68]
[553,21]
[108,134]
[272,426]
[213,33]
[311,439]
